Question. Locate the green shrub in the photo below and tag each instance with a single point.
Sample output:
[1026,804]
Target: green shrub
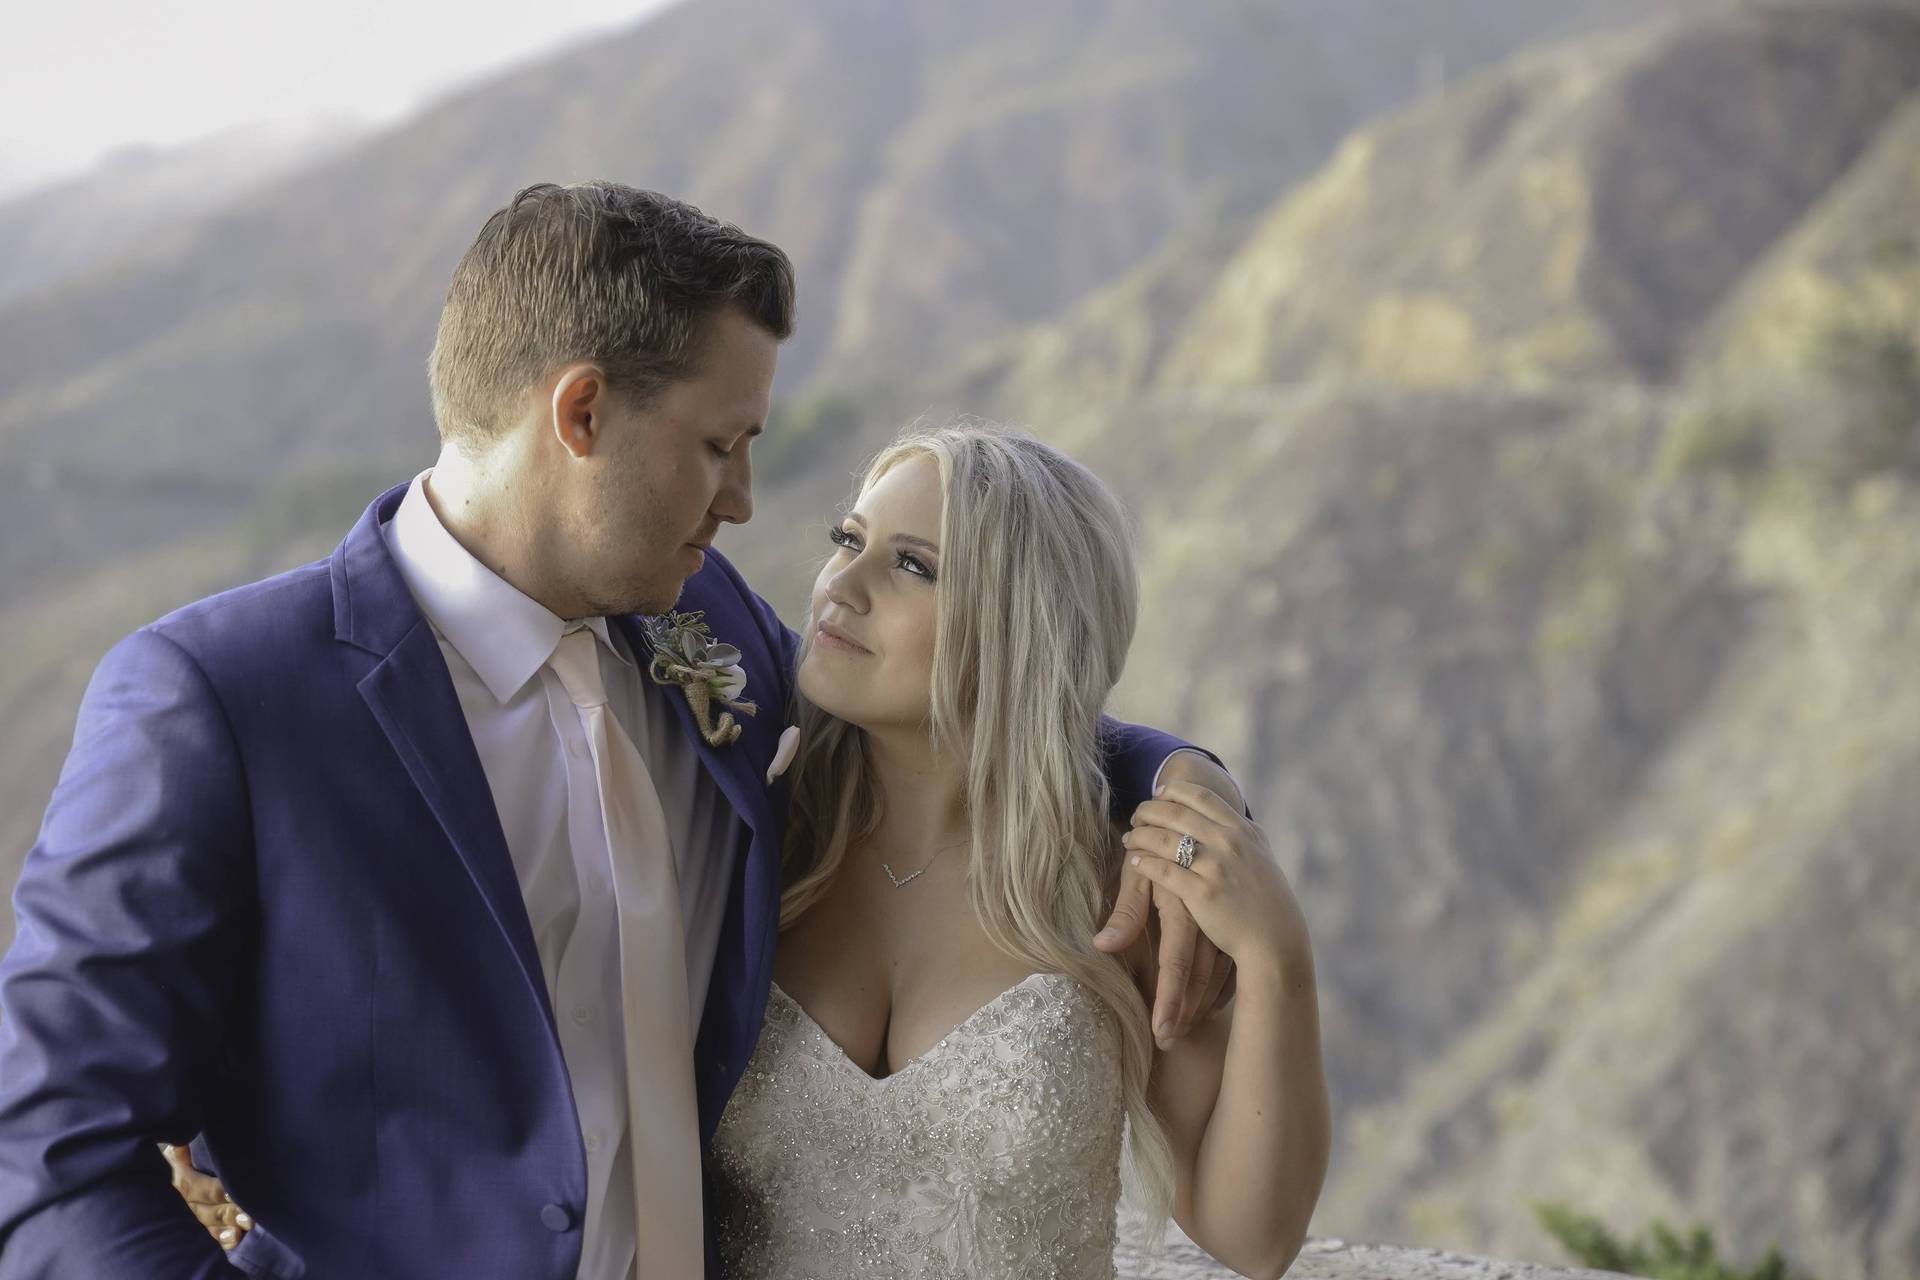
[1718,437]
[1875,376]
[1661,1254]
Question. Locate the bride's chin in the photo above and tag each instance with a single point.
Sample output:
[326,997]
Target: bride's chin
[824,693]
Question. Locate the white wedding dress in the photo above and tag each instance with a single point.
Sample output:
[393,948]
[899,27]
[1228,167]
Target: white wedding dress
[996,1153]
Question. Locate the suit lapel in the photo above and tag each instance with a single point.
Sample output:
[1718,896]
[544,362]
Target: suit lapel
[411,696]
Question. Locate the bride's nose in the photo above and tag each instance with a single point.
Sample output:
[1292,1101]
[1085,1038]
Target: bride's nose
[848,589]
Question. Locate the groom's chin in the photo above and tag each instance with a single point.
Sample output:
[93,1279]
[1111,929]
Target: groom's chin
[660,598]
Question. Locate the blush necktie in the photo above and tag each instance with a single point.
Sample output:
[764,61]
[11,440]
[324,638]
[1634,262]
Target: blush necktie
[663,1127]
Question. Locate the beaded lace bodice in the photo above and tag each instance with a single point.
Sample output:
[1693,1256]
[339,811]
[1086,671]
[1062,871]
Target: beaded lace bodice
[994,1153]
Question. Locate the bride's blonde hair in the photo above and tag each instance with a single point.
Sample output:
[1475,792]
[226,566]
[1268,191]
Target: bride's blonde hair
[1037,595]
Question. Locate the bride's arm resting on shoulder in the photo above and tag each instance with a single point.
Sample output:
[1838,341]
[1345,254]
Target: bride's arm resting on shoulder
[1244,1098]
[1192,977]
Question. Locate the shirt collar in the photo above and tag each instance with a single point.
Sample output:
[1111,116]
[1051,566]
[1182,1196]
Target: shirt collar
[505,635]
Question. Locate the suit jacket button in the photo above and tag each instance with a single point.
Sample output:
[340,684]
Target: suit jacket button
[556,1218]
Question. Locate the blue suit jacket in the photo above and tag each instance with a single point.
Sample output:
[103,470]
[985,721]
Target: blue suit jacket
[271,905]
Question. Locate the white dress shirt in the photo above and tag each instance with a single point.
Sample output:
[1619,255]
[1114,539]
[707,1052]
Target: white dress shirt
[496,642]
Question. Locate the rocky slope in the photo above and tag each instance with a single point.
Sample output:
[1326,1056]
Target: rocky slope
[1570,669]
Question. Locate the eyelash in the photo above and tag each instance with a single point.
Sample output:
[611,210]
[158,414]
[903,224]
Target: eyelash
[841,538]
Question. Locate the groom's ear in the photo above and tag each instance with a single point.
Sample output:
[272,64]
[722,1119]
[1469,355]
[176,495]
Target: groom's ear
[579,405]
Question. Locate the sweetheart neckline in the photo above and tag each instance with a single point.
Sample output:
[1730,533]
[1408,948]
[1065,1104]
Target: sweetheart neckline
[919,1058]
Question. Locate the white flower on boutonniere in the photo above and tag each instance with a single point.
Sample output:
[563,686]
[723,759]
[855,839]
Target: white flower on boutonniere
[707,671]
[784,753]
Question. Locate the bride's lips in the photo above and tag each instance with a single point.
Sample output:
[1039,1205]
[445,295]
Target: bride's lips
[834,638]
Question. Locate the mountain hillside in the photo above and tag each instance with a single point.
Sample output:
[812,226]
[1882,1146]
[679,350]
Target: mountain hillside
[1575,684]
[877,142]
[1552,223]
[136,195]
[262,368]
[1726,999]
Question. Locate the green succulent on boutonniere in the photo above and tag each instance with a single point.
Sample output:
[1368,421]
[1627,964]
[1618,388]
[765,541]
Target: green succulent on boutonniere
[707,671]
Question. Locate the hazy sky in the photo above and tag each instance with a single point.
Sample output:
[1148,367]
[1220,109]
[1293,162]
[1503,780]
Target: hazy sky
[84,76]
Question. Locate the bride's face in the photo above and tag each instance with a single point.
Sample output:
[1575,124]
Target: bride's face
[869,658]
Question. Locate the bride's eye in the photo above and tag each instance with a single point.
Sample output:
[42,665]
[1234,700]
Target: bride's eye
[841,538]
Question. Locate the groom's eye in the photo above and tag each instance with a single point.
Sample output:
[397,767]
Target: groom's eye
[718,452]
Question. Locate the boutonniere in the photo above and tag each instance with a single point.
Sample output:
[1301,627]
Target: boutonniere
[707,671]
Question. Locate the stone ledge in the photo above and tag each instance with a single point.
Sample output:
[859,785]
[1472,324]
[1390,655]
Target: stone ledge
[1329,1259]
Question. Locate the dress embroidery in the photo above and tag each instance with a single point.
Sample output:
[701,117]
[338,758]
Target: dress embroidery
[994,1153]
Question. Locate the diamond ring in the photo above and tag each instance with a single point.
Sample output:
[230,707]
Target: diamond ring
[1183,852]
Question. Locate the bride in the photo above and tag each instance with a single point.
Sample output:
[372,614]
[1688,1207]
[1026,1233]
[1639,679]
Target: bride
[949,1068]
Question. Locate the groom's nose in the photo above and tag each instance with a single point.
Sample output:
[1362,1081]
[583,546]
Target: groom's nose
[734,501]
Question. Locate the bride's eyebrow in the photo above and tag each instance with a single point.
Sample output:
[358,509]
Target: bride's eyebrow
[898,539]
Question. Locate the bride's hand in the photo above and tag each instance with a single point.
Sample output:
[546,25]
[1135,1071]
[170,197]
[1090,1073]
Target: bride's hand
[1236,890]
[209,1201]
[1191,978]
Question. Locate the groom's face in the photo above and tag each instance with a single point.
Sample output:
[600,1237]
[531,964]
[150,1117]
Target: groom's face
[675,468]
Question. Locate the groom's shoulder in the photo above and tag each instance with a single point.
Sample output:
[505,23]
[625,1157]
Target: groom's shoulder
[279,614]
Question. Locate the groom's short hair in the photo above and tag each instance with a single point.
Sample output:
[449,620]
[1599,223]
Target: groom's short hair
[592,271]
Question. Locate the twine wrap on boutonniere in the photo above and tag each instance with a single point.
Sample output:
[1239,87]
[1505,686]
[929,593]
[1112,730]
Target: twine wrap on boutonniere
[707,671]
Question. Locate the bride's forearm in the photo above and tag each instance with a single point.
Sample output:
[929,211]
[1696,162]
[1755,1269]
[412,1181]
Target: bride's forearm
[1258,1170]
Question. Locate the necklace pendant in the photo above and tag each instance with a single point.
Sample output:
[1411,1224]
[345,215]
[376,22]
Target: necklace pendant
[898,883]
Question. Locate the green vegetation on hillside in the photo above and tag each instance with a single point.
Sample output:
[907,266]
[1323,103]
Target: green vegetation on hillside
[1660,1254]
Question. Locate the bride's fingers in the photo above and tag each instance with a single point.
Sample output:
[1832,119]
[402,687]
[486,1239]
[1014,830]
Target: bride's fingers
[196,1187]
[1179,936]
[211,1217]
[1193,1001]
[1164,842]
[1204,801]
[229,1225]
[1129,913]
[207,1199]
[1168,874]
[231,1236]
[1180,818]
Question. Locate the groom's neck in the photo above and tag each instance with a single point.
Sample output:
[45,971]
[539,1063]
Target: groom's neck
[483,501]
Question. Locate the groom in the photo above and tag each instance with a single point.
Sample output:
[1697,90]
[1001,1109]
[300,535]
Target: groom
[345,873]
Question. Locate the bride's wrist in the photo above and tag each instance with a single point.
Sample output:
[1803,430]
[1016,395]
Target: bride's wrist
[1279,970]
